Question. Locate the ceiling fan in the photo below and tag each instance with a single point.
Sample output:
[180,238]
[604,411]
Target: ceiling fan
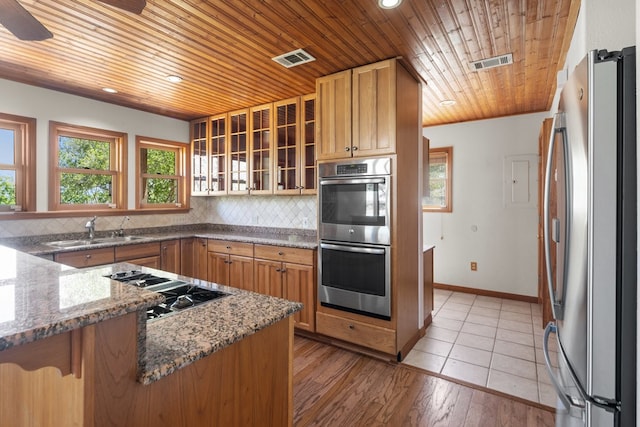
[24,26]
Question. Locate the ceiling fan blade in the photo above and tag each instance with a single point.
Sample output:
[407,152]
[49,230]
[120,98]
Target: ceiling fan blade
[21,23]
[133,6]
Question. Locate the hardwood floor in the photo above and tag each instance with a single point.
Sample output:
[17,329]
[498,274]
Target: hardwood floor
[335,387]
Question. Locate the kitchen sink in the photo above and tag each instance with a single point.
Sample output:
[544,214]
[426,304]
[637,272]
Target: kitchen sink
[86,242]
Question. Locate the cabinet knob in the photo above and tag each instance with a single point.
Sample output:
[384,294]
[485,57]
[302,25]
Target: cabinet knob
[87,256]
[280,253]
[354,148]
[351,327]
[347,148]
[228,247]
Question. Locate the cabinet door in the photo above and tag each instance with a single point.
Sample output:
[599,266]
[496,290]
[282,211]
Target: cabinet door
[307,163]
[241,272]
[218,154]
[268,277]
[86,258]
[170,256]
[151,262]
[333,116]
[200,259]
[199,157]
[374,109]
[299,286]
[286,146]
[238,152]
[218,268]
[261,152]
[187,256]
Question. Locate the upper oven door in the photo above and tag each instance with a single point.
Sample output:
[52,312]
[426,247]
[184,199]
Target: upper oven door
[355,209]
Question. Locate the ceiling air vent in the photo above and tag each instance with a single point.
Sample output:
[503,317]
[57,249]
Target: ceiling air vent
[496,61]
[293,58]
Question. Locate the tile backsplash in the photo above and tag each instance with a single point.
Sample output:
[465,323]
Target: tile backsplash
[264,211]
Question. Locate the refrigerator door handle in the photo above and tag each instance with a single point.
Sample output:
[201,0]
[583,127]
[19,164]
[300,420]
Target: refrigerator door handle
[567,400]
[556,305]
[609,405]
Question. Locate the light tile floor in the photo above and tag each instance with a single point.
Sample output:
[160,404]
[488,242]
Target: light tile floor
[491,342]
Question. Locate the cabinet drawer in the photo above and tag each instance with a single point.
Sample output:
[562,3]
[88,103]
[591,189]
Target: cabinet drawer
[285,254]
[143,250]
[86,258]
[233,248]
[355,332]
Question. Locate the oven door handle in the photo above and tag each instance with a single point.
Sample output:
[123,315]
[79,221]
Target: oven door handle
[332,181]
[356,249]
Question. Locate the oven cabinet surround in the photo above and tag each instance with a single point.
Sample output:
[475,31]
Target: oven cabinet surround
[358,110]
[377,109]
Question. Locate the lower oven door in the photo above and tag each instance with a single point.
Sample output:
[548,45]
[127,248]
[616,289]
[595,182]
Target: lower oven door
[356,278]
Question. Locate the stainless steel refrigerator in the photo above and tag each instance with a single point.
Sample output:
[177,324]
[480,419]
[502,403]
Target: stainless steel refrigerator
[592,159]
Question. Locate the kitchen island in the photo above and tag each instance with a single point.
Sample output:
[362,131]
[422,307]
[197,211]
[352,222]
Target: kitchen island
[76,349]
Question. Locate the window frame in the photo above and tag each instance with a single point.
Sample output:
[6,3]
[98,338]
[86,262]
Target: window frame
[118,166]
[182,172]
[447,153]
[24,161]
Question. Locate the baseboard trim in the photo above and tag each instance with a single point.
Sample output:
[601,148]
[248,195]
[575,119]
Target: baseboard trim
[486,293]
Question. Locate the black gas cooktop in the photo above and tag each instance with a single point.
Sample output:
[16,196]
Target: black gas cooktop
[179,295]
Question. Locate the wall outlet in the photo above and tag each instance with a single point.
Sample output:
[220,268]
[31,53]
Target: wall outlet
[305,222]
[474,266]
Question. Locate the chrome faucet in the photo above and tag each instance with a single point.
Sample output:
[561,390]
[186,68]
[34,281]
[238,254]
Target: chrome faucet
[120,231]
[91,227]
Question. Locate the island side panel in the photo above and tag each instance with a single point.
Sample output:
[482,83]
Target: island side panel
[248,383]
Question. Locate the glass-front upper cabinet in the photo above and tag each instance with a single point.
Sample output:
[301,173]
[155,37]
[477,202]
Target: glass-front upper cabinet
[261,149]
[199,166]
[238,152]
[218,154]
[308,176]
[286,145]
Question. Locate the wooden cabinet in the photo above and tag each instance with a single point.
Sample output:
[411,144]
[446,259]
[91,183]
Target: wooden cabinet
[357,111]
[365,112]
[288,273]
[187,256]
[265,149]
[142,253]
[308,168]
[200,250]
[356,332]
[238,165]
[199,157]
[230,263]
[87,258]
[333,116]
[170,256]
[261,144]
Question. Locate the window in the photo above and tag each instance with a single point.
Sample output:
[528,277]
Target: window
[438,192]
[17,163]
[88,170]
[162,174]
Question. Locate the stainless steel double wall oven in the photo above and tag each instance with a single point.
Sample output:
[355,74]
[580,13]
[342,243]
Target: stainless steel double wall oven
[354,256]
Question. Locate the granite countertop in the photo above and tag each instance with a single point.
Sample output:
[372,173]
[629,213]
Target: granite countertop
[295,238]
[42,298]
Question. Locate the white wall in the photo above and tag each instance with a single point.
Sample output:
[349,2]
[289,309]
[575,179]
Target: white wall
[45,105]
[505,241]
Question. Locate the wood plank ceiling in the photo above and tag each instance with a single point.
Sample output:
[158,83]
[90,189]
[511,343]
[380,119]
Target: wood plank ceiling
[223,51]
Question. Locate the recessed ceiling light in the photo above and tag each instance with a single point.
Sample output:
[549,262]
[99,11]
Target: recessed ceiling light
[389,4]
[447,102]
[109,90]
[174,79]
